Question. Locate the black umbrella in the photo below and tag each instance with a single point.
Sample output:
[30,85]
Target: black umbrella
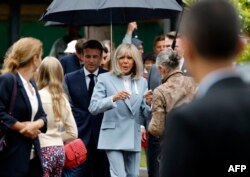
[105,12]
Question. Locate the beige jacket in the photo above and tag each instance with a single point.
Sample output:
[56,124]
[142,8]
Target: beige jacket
[54,135]
[176,90]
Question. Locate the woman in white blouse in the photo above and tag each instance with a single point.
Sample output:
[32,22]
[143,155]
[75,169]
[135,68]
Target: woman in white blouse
[120,95]
[61,123]
[27,119]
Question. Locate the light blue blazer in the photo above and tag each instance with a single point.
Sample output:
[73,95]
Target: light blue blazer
[120,129]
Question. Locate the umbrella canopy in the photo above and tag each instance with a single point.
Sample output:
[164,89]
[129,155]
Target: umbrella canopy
[104,12]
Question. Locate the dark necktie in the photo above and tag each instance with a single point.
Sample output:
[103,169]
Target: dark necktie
[91,84]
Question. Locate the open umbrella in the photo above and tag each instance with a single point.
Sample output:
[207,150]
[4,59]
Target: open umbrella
[106,12]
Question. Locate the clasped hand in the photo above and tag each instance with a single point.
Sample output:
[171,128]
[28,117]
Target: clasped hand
[30,130]
[122,95]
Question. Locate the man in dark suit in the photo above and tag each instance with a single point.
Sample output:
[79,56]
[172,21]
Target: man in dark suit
[79,86]
[211,135]
[73,61]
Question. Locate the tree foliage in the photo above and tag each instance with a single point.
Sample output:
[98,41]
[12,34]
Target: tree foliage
[243,8]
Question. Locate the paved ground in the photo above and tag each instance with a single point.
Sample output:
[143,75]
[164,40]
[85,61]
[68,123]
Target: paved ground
[143,172]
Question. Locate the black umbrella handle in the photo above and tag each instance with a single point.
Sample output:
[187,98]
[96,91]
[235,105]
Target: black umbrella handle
[173,45]
[178,26]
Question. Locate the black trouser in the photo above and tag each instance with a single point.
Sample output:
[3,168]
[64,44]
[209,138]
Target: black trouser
[153,152]
[35,169]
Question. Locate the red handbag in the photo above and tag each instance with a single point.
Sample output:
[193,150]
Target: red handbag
[75,153]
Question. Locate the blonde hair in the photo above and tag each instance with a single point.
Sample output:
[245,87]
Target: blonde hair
[131,50]
[50,73]
[21,53]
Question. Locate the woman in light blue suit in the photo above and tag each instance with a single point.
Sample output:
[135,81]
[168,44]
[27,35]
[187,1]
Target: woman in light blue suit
[120,95]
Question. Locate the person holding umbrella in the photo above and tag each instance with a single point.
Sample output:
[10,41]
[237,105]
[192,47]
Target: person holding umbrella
[60,44]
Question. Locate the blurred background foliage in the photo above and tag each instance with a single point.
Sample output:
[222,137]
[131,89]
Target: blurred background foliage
[243,8]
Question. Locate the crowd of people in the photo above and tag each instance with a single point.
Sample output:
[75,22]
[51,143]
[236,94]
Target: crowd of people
[186,101]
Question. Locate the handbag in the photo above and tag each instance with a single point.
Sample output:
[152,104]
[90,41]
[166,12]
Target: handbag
[12,101]
[75,153]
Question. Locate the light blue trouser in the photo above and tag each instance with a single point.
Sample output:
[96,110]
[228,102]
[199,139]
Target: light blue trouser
[124,163]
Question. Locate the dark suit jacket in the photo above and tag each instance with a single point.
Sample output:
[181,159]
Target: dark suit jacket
[16,157]
[87,124]
[70,63]
[207,136]
[154,77]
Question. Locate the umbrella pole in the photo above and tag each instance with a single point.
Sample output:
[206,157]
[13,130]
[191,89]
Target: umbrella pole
[111,34]
[177,30]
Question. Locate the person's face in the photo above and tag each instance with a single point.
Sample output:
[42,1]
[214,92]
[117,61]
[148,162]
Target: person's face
[159,46]
[126,64]
[177,48]
[104,59]
[168,43]
[37,60]
[148,64]
[80,57]
[163,71]
[140,49]
[108,53]
[92,59]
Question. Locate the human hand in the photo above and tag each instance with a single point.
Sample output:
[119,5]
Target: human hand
[148,96]
[31,130]
[143,135]
[122,95]
[131,27]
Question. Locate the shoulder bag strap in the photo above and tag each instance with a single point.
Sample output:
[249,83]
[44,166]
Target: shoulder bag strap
[13,96]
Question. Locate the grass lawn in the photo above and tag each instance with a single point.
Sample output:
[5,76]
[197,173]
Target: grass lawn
[143,159]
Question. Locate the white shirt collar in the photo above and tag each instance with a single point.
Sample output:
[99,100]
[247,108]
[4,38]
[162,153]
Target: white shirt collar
[23,80]
[87,72]
[127,77]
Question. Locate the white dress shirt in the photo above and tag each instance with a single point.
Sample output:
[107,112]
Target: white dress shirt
[87,76]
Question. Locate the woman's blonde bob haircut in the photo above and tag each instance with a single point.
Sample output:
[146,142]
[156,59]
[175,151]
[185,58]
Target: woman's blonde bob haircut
[131,50]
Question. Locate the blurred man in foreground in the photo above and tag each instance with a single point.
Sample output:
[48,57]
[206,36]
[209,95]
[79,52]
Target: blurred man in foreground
[211,135]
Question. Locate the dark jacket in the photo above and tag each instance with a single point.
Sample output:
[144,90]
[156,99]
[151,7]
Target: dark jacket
[70,63]
[87,124]
[207,136]
[15,160]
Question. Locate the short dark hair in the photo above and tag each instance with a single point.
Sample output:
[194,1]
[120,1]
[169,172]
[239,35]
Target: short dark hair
[150,56]
[93,44]
[79,45]
[213,28]
[159,38]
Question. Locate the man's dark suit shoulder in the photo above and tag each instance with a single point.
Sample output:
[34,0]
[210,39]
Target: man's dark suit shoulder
[209,134]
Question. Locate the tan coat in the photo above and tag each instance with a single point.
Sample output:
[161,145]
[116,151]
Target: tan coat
[176,90]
